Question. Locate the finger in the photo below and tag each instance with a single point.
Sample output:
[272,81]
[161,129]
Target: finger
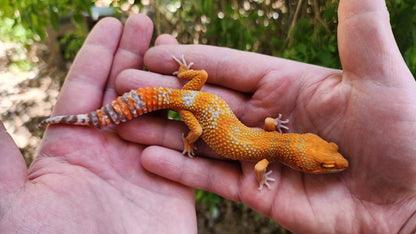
[83,89]
[211,175]
[229,68]
[12,166]
[133,79]
[230,179]
[291,197]
[155,130]
[366,43]
[134,42]
[166,39]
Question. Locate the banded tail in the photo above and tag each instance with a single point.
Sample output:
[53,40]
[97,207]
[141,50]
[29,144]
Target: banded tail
[124,108]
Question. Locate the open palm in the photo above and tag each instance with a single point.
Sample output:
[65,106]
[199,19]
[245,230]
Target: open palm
[368,109]
[87,180]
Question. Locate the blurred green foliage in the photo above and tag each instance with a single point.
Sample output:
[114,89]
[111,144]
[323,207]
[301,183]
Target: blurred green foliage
[18,60]
[299,30]
[72,42]
[211,199]
[295,29]
[10,31]
[36,16]
[403,22]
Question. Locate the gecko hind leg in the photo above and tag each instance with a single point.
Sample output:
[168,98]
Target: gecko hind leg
[195,132]
[196,79]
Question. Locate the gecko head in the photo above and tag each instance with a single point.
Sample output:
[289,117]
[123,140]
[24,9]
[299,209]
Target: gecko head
[315,155]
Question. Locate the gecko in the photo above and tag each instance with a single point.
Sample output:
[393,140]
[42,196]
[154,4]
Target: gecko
[210,118]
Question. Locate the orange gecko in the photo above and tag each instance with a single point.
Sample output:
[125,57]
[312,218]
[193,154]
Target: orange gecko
[209,117]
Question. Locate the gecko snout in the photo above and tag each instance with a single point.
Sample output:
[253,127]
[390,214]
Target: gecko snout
[325,155]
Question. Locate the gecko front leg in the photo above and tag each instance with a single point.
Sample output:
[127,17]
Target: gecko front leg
[275,124]
[261,175]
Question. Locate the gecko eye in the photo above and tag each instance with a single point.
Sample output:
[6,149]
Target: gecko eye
[328,165]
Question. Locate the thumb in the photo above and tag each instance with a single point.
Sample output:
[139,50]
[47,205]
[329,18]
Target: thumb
[366,43]
[13,172]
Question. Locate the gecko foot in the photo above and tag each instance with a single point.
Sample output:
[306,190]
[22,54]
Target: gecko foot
[280,124]
[189,153]
[188,149]
[265,180]
[182,64]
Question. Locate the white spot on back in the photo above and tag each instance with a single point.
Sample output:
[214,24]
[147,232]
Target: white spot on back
[188,97]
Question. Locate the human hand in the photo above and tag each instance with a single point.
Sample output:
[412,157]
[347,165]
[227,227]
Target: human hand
[87,180]
[368,109]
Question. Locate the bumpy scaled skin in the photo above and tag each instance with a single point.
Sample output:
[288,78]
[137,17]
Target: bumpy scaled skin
[209,117]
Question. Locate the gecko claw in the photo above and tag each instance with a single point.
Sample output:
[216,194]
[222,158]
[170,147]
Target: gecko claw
[280,124]
[190,154]
[188,149]
[265,181]
[182,63]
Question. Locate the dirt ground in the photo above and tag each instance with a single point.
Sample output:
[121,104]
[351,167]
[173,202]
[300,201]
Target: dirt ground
[28,97]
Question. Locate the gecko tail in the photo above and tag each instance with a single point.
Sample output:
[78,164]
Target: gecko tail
[80,119]
[126,107]
[108,115]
